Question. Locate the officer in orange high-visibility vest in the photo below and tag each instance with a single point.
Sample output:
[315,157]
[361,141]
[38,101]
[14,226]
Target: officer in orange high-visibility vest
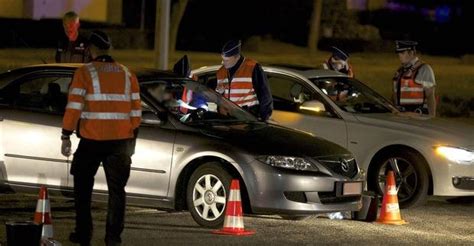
[243,81]
[104,109]
[414,82]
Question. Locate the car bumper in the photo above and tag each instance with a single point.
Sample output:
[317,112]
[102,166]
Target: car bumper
[278,191]
[452,179]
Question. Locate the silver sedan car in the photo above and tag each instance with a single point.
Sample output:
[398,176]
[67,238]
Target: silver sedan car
[187,152]
[429,156]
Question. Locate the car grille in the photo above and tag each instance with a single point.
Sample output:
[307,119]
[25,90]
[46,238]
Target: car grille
[330,197]
[345,166]
[295,196]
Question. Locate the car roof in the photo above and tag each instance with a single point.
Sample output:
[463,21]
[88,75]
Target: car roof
[143,74]
[301,70]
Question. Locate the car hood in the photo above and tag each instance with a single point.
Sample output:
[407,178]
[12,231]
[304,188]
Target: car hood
[440,130]
[269,139]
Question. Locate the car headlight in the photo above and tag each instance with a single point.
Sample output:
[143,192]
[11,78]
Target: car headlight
[458,155]
[289,162]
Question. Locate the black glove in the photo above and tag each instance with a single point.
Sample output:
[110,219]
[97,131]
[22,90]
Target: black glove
[66,147]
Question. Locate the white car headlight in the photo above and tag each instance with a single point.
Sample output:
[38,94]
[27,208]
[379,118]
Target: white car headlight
[289,162]
[458,155]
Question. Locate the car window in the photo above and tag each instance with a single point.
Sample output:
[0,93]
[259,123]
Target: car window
[353,96]
[209,79]
[195,104]
[290,94]
[45,93]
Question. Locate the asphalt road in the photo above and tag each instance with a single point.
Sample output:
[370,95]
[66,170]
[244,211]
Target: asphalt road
[436,223]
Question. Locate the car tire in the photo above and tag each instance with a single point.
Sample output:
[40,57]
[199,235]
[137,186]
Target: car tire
[209,187]
[414,181]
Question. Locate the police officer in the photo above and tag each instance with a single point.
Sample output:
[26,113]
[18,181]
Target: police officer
[339,61]
[104,110]
[243,81]
[414,82]
[72,48]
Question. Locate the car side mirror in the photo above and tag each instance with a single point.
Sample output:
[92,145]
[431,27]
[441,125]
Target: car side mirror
[314,106]
[149,118]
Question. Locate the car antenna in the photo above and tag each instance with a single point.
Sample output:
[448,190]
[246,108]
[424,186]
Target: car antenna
[27,46]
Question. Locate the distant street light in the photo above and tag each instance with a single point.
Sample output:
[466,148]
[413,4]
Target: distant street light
[162,27]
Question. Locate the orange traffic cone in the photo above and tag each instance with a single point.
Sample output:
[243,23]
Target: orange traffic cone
[43,214]
[233,221]
[390,211]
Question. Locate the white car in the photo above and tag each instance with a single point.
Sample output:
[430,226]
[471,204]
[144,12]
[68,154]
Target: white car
[430,156]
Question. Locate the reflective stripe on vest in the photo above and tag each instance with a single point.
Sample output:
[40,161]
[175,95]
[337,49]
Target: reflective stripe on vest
[406,101]
[135,96]
[75,105]
[241,90]
[94,77]
[97,96]
[78,91]
[127,79]
[107,97]
[104,116]
[135,113]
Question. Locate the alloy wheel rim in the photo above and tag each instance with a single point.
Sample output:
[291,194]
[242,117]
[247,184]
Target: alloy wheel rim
[406,179]
[209,197]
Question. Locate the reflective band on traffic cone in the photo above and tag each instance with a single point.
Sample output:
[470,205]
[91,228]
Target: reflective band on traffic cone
[233,221]
[43,213]
[390,211]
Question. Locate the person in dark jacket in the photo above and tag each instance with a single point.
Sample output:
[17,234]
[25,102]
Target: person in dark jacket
[243,81]
[72,47]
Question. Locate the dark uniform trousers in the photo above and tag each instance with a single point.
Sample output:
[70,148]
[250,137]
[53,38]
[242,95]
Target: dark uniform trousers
[115,157]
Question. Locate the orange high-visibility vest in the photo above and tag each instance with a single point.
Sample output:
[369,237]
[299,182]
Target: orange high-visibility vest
[187,95]
[241,90]
[104,97]
[411,93]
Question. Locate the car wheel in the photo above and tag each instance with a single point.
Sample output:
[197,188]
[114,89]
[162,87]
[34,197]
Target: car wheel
[412,177]
[207,193]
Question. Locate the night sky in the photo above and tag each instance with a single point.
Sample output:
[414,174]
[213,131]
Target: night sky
[207,24]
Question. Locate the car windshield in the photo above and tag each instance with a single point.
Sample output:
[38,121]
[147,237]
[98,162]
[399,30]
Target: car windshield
[353,96]
[194,104]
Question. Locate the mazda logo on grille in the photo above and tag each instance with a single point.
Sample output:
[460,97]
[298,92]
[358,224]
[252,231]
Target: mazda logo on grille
[345,166]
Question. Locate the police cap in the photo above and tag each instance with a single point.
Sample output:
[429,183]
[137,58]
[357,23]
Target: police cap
[339,54]
[100,39]
[231,48]
[402,45]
